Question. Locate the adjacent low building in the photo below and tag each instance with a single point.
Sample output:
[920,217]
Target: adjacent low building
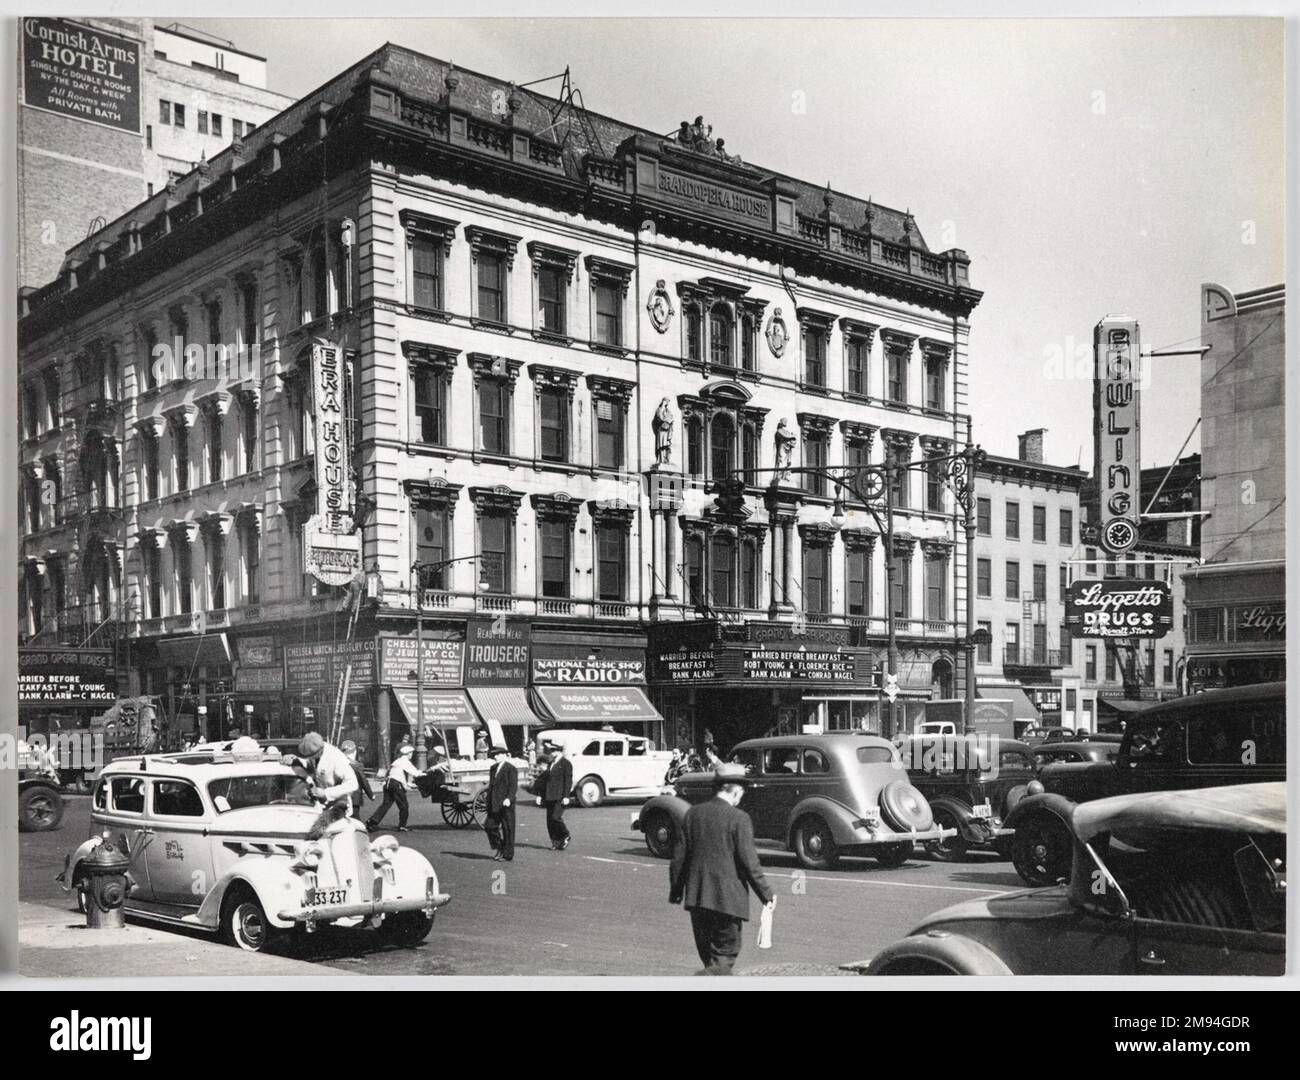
[1236,598]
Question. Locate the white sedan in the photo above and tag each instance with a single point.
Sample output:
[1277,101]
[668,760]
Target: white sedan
[219,842]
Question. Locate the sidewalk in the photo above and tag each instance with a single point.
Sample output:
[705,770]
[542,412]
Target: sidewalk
[54,943]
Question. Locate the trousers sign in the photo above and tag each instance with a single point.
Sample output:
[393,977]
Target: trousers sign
[1115,430]
[82,73]
[1116,609]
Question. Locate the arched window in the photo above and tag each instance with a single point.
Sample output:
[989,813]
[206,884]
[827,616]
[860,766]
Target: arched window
[720,336]
[722,570]
[722,446]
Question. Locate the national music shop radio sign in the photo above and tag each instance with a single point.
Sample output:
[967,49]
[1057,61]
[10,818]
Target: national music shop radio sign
[1119,609]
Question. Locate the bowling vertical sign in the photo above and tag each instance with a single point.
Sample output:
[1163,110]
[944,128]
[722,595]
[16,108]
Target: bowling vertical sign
[1115,411]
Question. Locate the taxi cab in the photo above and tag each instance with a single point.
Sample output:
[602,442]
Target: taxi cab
[219,841]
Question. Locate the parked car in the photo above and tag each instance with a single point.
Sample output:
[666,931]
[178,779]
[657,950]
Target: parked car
[972,784]
[1164,883]
[1049,753]
[1040,733]
[219,842]
[1235,736]
[820,796]
[40,799]
[608,763]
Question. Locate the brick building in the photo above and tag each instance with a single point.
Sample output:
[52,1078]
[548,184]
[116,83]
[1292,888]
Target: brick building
[548,332]
[184,96]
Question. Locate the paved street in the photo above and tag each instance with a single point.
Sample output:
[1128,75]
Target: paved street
[599,908]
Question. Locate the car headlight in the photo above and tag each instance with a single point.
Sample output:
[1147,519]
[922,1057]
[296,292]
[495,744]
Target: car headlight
[1034,787]
[309,857]
[384,848]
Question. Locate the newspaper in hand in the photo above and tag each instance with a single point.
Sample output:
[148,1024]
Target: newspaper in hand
[765,925]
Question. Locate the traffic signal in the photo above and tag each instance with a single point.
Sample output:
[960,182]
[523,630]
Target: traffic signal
[730,496]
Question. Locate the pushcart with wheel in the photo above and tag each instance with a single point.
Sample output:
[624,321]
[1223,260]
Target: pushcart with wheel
[461,793]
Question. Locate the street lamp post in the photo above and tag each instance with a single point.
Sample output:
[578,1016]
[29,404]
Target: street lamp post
[419,571]
[873,487]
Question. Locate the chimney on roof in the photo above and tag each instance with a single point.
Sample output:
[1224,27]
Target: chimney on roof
[1031,445]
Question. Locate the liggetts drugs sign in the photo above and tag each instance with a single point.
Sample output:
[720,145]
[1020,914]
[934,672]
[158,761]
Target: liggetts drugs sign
[1116,609]
[1115,428]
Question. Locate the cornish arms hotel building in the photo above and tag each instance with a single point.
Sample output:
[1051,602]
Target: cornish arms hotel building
[483,330]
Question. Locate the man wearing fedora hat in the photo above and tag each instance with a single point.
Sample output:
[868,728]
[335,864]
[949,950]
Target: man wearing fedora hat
[503,789]
[714,866]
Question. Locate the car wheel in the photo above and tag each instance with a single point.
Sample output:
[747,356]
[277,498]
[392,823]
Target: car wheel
[814,845]
[40,809]
[950,848]
[660,834]
[406,928]
[904,808]
[892,856]
[1041,850]
[244,923]
[590,791]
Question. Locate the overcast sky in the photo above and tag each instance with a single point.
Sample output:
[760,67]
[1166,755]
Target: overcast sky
[1087,167]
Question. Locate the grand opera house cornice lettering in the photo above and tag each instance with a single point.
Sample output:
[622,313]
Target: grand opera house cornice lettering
[383,112]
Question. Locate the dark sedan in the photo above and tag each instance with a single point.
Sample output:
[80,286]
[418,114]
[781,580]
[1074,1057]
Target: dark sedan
[1164,883]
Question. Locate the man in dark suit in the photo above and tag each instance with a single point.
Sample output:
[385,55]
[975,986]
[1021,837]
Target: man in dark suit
[555,797]
[714,866]
[503,786]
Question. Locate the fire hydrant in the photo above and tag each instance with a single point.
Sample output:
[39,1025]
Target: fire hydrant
[103,873]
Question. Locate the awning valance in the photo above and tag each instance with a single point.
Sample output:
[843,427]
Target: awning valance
[578,705]
[1021,707]
[507,705]
[442,708]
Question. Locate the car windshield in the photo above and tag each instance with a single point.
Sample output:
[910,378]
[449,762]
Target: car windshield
[271,789]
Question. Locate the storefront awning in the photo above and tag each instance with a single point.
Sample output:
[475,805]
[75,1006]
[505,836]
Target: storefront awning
[1123,705]
[1021,707]
[578,705]
[442,708]
[507,705]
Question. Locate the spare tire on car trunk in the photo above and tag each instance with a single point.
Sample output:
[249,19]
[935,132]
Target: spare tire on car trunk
[904,808]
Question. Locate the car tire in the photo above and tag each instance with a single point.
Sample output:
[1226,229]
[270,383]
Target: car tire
[904,808]
[590,792]
[950,848]
[660,834]
[892,856]
[1041,850]
[814,846]
[244,923]
[406,928]
[40,809]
